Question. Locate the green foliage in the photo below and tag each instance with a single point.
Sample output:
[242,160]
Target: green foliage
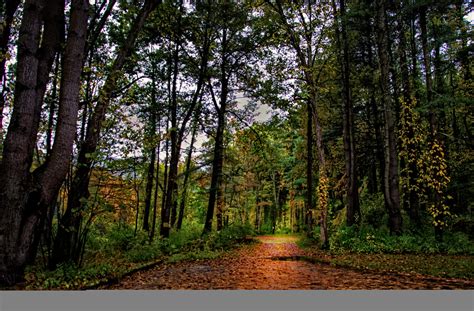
[230,236]
[122,238]
[198,255]
[372,209]
[185,239]
[144,252]
[69,276]
[369,240]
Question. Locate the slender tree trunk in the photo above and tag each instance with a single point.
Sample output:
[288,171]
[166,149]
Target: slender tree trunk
[10,8]
[352,193]
[67,231]
[169,215]
[136,188]
[187,172]
[149,184]
[257,209]
[218,160]
[391,179]
[52,109]
[220,200]
[323,181]
[427,64]
[410,196]
[217,164]
[309,169]
[151,165]
[157,183]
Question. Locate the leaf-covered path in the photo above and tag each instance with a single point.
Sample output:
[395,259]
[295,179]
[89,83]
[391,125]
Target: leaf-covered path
[275,263]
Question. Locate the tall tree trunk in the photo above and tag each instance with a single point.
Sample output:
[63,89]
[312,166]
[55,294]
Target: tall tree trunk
[157,183]
[410,196]
[309,169]
[25,197]
[204,52]
[165,177]
[427,64]
[150,179]
[257,209]
[323,179]
[66,238]
[52,109]
[391,179]
[217,164]
[187,173]
[151,165]
[169,215]
[352,193]
[218,160]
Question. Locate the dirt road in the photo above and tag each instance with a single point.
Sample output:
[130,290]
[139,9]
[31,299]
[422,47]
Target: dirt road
[275,263]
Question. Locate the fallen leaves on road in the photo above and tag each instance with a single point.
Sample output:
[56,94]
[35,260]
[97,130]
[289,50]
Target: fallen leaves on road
[275,263]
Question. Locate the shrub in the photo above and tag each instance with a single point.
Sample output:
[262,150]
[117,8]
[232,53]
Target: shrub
[372,210]
[122,238]
[145,252]
[369,240]
[68,276]
[229,236]
[186,238]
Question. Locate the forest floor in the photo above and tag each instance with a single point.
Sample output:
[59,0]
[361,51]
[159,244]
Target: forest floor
[276,263]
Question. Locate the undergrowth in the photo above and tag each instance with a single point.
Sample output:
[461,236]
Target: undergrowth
[120,250]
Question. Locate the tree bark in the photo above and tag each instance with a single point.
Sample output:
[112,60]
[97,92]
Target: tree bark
[309,169]
[187,172]
[151,164]
[169,214]
[427,64]
[391,178]
[64,249]
[352,193]
[218,160]
[10,8]
[26,196]
[150,177]
[410,197]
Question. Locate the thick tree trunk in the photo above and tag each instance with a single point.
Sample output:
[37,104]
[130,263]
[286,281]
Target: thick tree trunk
[64,249]
[352,193]
[391,179]
[25,197]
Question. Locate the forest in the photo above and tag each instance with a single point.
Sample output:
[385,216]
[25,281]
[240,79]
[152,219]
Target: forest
[149,144]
